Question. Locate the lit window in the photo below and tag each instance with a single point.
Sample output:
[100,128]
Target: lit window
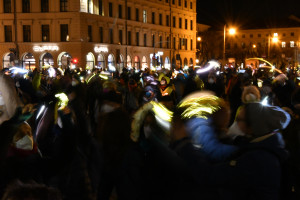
[292,44]
[90,6]
[283,44]
[144,16]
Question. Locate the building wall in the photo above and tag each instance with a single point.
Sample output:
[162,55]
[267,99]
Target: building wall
[78,20]
[259,43]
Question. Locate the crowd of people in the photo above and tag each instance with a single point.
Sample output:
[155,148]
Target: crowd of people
[218,134]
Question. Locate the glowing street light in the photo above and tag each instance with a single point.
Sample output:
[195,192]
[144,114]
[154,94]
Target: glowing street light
[199,49]
[275,39]
[254,46]
[231,31]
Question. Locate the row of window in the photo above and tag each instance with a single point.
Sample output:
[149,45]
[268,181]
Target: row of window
[63,8]
[64,3]
[292,44]
[145,17]
[64,33]
[26,6]
[64,37]
[179,3]
[267,35]
[259,45]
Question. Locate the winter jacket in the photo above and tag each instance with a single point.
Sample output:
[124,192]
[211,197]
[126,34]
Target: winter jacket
[203,134]
[255,172]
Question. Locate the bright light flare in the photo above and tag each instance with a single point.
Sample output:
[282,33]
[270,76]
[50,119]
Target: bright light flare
[111,68]
[51,72]
[199,107]
[161,111]
[275,39]
[17,70]
[264,101]
[63,100]
[232,31]
[211,64]
[103,76]
[41,111]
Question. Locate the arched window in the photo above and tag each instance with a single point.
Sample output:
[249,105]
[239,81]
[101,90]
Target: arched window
[90,61]
[9,60]
[101,61]
[191,62]
[46,60]
[121,64]
[129,64]
[136,62]
[167,63]
[111,63]
[185,62]
[144,63]
[28,61]
[64,60]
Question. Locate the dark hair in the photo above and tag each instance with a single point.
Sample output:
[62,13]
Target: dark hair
[33,191]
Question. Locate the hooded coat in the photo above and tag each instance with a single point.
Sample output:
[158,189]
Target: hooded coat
[255,172]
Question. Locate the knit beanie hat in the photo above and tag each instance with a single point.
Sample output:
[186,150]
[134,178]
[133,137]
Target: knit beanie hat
[266,119]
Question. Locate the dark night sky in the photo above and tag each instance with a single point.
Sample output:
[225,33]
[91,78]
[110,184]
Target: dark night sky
[247,13]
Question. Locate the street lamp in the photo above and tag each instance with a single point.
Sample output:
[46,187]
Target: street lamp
[199,49]
[231,31]
[274,40]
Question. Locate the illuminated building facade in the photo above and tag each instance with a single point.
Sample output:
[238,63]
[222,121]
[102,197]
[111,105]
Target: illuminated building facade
[97,33]
[277,45]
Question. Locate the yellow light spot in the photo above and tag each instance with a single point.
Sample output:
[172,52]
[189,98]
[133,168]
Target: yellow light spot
[90,78]
[63,100]
[199,107]
[161,111]
[103,76]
